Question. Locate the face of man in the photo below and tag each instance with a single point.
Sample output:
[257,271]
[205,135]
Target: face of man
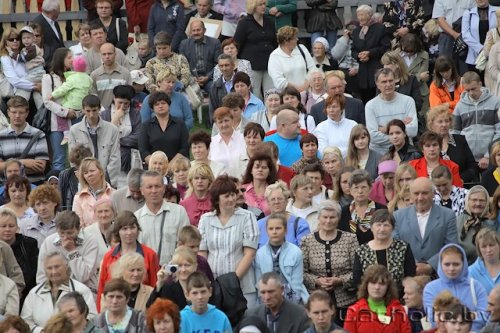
[17,116]
[473,89]
[271,294]
[108,54]
[422,194]
[203,7]
[135,193]
[197,30]
[494,306]
[92,114]
[386,84]
[98,36]
[335,86]
[227,68]
[291,127]
[152,189]
[12,169]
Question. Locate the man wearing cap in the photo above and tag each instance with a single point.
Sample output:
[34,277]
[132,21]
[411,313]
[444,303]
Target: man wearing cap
[383,188]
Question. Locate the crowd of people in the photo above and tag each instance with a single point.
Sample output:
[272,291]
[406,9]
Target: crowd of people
[349,187]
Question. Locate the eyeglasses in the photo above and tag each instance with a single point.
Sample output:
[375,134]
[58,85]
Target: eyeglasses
[14,39]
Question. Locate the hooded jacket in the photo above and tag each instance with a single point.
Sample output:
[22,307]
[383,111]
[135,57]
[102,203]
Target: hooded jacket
[212,320]
[461,288]
[477,121]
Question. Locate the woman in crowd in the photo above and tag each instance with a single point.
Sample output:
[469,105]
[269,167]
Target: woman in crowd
[82,33]
[256,36]
[230,249]
[335,123]
[163,317]
[164,132]
[73,306]
[405,175]
[58,323]
[413,299]
[126,230]
[46,201]
[359,155]
[342,53]
[68,178]
[321,310]
[446,87]
[378,308]
[454,146]
[406,83]
[179,105]
[231,47]
[175,289]
[17,190]
[277,196]
[383,187]
[401,150]
[131,268]
[329,257]
[62,61]
[313,95]
[289,63]
[94,187]
[454,276]
[486,268]
[14,324]
[342,192]
[116,28]
[475,217]
[490,179]
[401,199]
[179,168]
[282,257]
[321,53]
[356,217]
[261,172]
[281,12]
[197,200]
[159,162]
[291,96]
[431,146]
[383,249]
[447,195]
[332,162]
[251,103]
[199,143]
[118,315]
[104,214]
[309,147]
[40,304]
[301,188]
[25,249]
[458,319]
[369,42]
[272,101]
[495,206]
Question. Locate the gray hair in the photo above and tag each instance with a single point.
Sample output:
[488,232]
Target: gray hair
[50,5]
[53,254]
[477,189]
[329,206]
[134,178]
[314,71]
[67,219]
[266,277]
[78,299]
[383,71]
[9,213]
[149,173]
[278,186]
[365,8]
[224,56]
[162,38]
[125,261]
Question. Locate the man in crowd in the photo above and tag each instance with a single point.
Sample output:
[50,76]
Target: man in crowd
[98,36]
[223,86]
[129,197]
[52,35]
[494,311]
[203,10]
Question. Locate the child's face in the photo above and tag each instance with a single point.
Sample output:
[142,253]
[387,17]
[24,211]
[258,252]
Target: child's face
[199,298]
[27,38]
[191,244]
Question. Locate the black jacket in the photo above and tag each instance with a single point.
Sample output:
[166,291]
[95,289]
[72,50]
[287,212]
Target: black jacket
[323,16]
[112,33]
[354,110]
[171,141]
[26,252]
[461,154]
[228,297]
[215,96]
[489,182]
[407,153]
[50,41]
[345,217]
[173,291]
[68,187]
[256,41]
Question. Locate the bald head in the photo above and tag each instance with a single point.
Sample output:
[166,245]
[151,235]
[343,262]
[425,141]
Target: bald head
[422,194]
[494,304]
[287,124]
[108,54]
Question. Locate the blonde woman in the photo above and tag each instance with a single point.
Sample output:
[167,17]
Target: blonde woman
[359,155]
[332,162]
[93,188]
[401,199]
[179,168]
[405,175]
[197,201]
[159,162]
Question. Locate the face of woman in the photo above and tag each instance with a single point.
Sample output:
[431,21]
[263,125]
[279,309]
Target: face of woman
[167,86]
[68,61]
[443,185]
[292,100]
[344,183]
[304,193]
[71,311]
[332,164]
[377,290]
[161,108]
[158,164]
[363,18]
[309,150]
[397,136]
[45,209]
[382,231]
[411,297]
[260,7]
[134,274]
[181,176]
[441,125]
[275,231]
[458,325]
[260,170]
[360,192]
[406,179]
[477,203]
[199,151]
[164,324]
[92,175]
[225,125]
[328,221]
[431,150]
[116,301]
[361,142]
[497,159]
[227,200]
[482,3]
[490,251]
[8,228]
[184,270]
[128,234]
[242,89]
[200,183]
[388,180]
[273,101]
[321,315]
[13,42]
[452,265]
[318,50]
[334,112]
[277,201]
[84,37]
[446,75]
[231,50]
[18,195]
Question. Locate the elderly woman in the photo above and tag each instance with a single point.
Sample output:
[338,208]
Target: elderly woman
[394,254]
[272,101]
[321,54]
[489,178]
[309,147]
[486,268]
[68,178]
[256,36]
[93,187]
[300,204]
[431,146]
[126,229]
[369,43]
[454,146]
[316,89]
[289,63]
[260,172]
[159,162]
[240,241]
[377,305]
[131,268]
[82,33]
[73,306]
[332,162]
[329,257]
[115,27]
[179,105]
[231,47]
[119,316]
[163,317]
[25,249]
[401,149]
[447,195]
[474,218]
[413,289]
[282,257]
[40,304]
[383,187]
[17,190]
[197,200]
[277,196]
[104,214]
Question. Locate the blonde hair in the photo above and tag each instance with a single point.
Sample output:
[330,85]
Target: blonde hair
[84,166]
[201,170]
[252,4]
[160,155]
[402,168]
[286,34]
[438,111]
[495,149]
[394,58]
[186,254]
[178,163]
[6,35]
[404,192]
[126,261]
[165,74]
[278,186]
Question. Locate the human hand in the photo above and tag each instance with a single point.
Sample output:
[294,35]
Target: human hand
[353,71]
[382,129]
[71,114]
[407,120]
[273,11]
[69,244]
[424,268]
[278,14]
[401,32]
[50,97]
[483,163]
[37,87]
[424,76]
[137,29]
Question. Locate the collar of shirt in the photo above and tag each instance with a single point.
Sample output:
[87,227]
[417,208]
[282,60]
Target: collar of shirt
[48,19]
[42,225]
[91,129]
[423,215]
[26,129]
[201,41]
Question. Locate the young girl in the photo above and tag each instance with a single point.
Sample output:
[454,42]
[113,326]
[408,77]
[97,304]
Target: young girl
[359,155]
[179,167]
[446,87]
[78,84]
[33,59]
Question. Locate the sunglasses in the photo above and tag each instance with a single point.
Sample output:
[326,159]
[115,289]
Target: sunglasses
[15,39]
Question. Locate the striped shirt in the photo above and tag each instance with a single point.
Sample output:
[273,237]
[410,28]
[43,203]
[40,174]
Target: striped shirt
[104,82]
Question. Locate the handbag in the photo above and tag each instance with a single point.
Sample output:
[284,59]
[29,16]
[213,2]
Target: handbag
[193,94]
[460,48]
[481,61]
[41,120]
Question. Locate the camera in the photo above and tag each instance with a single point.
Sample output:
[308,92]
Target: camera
[170,268]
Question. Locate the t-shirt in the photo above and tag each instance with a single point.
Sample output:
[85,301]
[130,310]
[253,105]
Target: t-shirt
[289,149]
[212,321]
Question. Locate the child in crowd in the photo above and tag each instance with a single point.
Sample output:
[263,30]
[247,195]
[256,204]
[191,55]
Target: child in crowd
[179,167]
[78,84]
[138,82]
[32,55]
[145,51]
[190,237]
[201,316]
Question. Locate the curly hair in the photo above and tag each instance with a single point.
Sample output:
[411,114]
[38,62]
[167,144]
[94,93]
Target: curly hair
[159,309]
[378,273]
[45,192]
[14,322]
[17,182]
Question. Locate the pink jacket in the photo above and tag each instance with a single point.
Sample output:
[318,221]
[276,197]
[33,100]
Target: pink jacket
[84,201]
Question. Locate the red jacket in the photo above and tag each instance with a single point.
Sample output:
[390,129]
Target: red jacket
[138,14]
[420,166]
[360,319]
[150,261]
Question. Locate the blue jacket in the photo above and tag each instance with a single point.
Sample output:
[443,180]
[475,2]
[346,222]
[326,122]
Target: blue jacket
[478,272]
[461,288]
[170,20]
[293,234]
[291,266]
[179,108]
[470,31]
[213,320]
[254,105]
